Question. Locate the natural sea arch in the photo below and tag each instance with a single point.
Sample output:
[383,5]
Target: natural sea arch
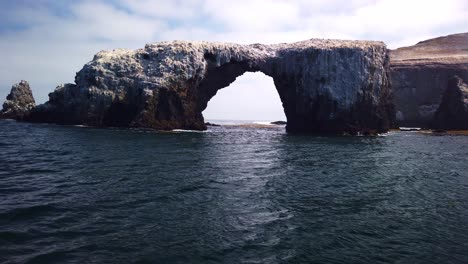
[325,86]
[321,90]
[220,77]
[252,96]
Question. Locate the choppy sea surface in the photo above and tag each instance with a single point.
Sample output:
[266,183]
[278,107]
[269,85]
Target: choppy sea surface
[230,195]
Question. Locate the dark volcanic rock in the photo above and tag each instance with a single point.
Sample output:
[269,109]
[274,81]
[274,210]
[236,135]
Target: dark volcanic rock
[420,74]
[19,102]
[62,107]
[211,124]
[326,86]
[452,113]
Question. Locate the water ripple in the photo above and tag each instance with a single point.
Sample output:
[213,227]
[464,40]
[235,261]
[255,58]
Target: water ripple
[230,195]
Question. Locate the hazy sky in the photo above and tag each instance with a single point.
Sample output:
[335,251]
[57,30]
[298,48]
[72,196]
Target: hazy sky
[47,41]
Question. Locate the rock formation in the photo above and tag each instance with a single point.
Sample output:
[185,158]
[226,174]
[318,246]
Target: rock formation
[327,86]
[279,123]
[19,102]
[452,113]
[420,75]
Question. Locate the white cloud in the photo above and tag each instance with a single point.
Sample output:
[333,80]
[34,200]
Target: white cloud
[254,15]
[51,48]
[103,21]
[171,9]
[394,21]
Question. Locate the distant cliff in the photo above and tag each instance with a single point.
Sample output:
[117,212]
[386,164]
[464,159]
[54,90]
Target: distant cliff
[421,73]
[452,113]
[326,86]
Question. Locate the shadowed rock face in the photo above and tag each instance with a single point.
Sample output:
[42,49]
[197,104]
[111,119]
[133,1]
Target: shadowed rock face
[452,113]
[19,102]
[420,75]
[325,86]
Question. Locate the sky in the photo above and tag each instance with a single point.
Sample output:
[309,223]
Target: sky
[46,41]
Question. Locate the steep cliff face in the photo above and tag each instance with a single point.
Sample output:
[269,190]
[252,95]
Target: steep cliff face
[325,85]
[19,102]
[452,113]
[420,75]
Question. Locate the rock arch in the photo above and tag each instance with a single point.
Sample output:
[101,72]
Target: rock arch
[326,86]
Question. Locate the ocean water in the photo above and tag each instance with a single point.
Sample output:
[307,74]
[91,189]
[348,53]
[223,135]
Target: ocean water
[230,195]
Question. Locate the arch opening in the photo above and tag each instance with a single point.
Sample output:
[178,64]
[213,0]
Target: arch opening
[252,96]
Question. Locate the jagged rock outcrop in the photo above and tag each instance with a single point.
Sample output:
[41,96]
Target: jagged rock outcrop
[420,75]
[328,86]
[19,102]
[452,113]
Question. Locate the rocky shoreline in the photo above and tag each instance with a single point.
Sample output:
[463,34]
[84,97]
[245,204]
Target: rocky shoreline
[326,86]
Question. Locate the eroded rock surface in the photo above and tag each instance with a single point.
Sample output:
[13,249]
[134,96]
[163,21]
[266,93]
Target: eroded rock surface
[324,85]
[420,75]
[19,102]
[452,113]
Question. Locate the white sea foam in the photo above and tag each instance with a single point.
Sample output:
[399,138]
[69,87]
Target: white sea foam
[186,131]
[410,128]
[264,123]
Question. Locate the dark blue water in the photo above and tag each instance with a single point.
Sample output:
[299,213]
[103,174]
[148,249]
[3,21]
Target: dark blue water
[231,195]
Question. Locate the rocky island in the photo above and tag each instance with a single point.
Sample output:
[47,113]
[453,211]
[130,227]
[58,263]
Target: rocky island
[326,86]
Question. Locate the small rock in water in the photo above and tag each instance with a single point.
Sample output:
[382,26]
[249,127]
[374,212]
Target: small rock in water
[211,124]
[280,123]
[19,102]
